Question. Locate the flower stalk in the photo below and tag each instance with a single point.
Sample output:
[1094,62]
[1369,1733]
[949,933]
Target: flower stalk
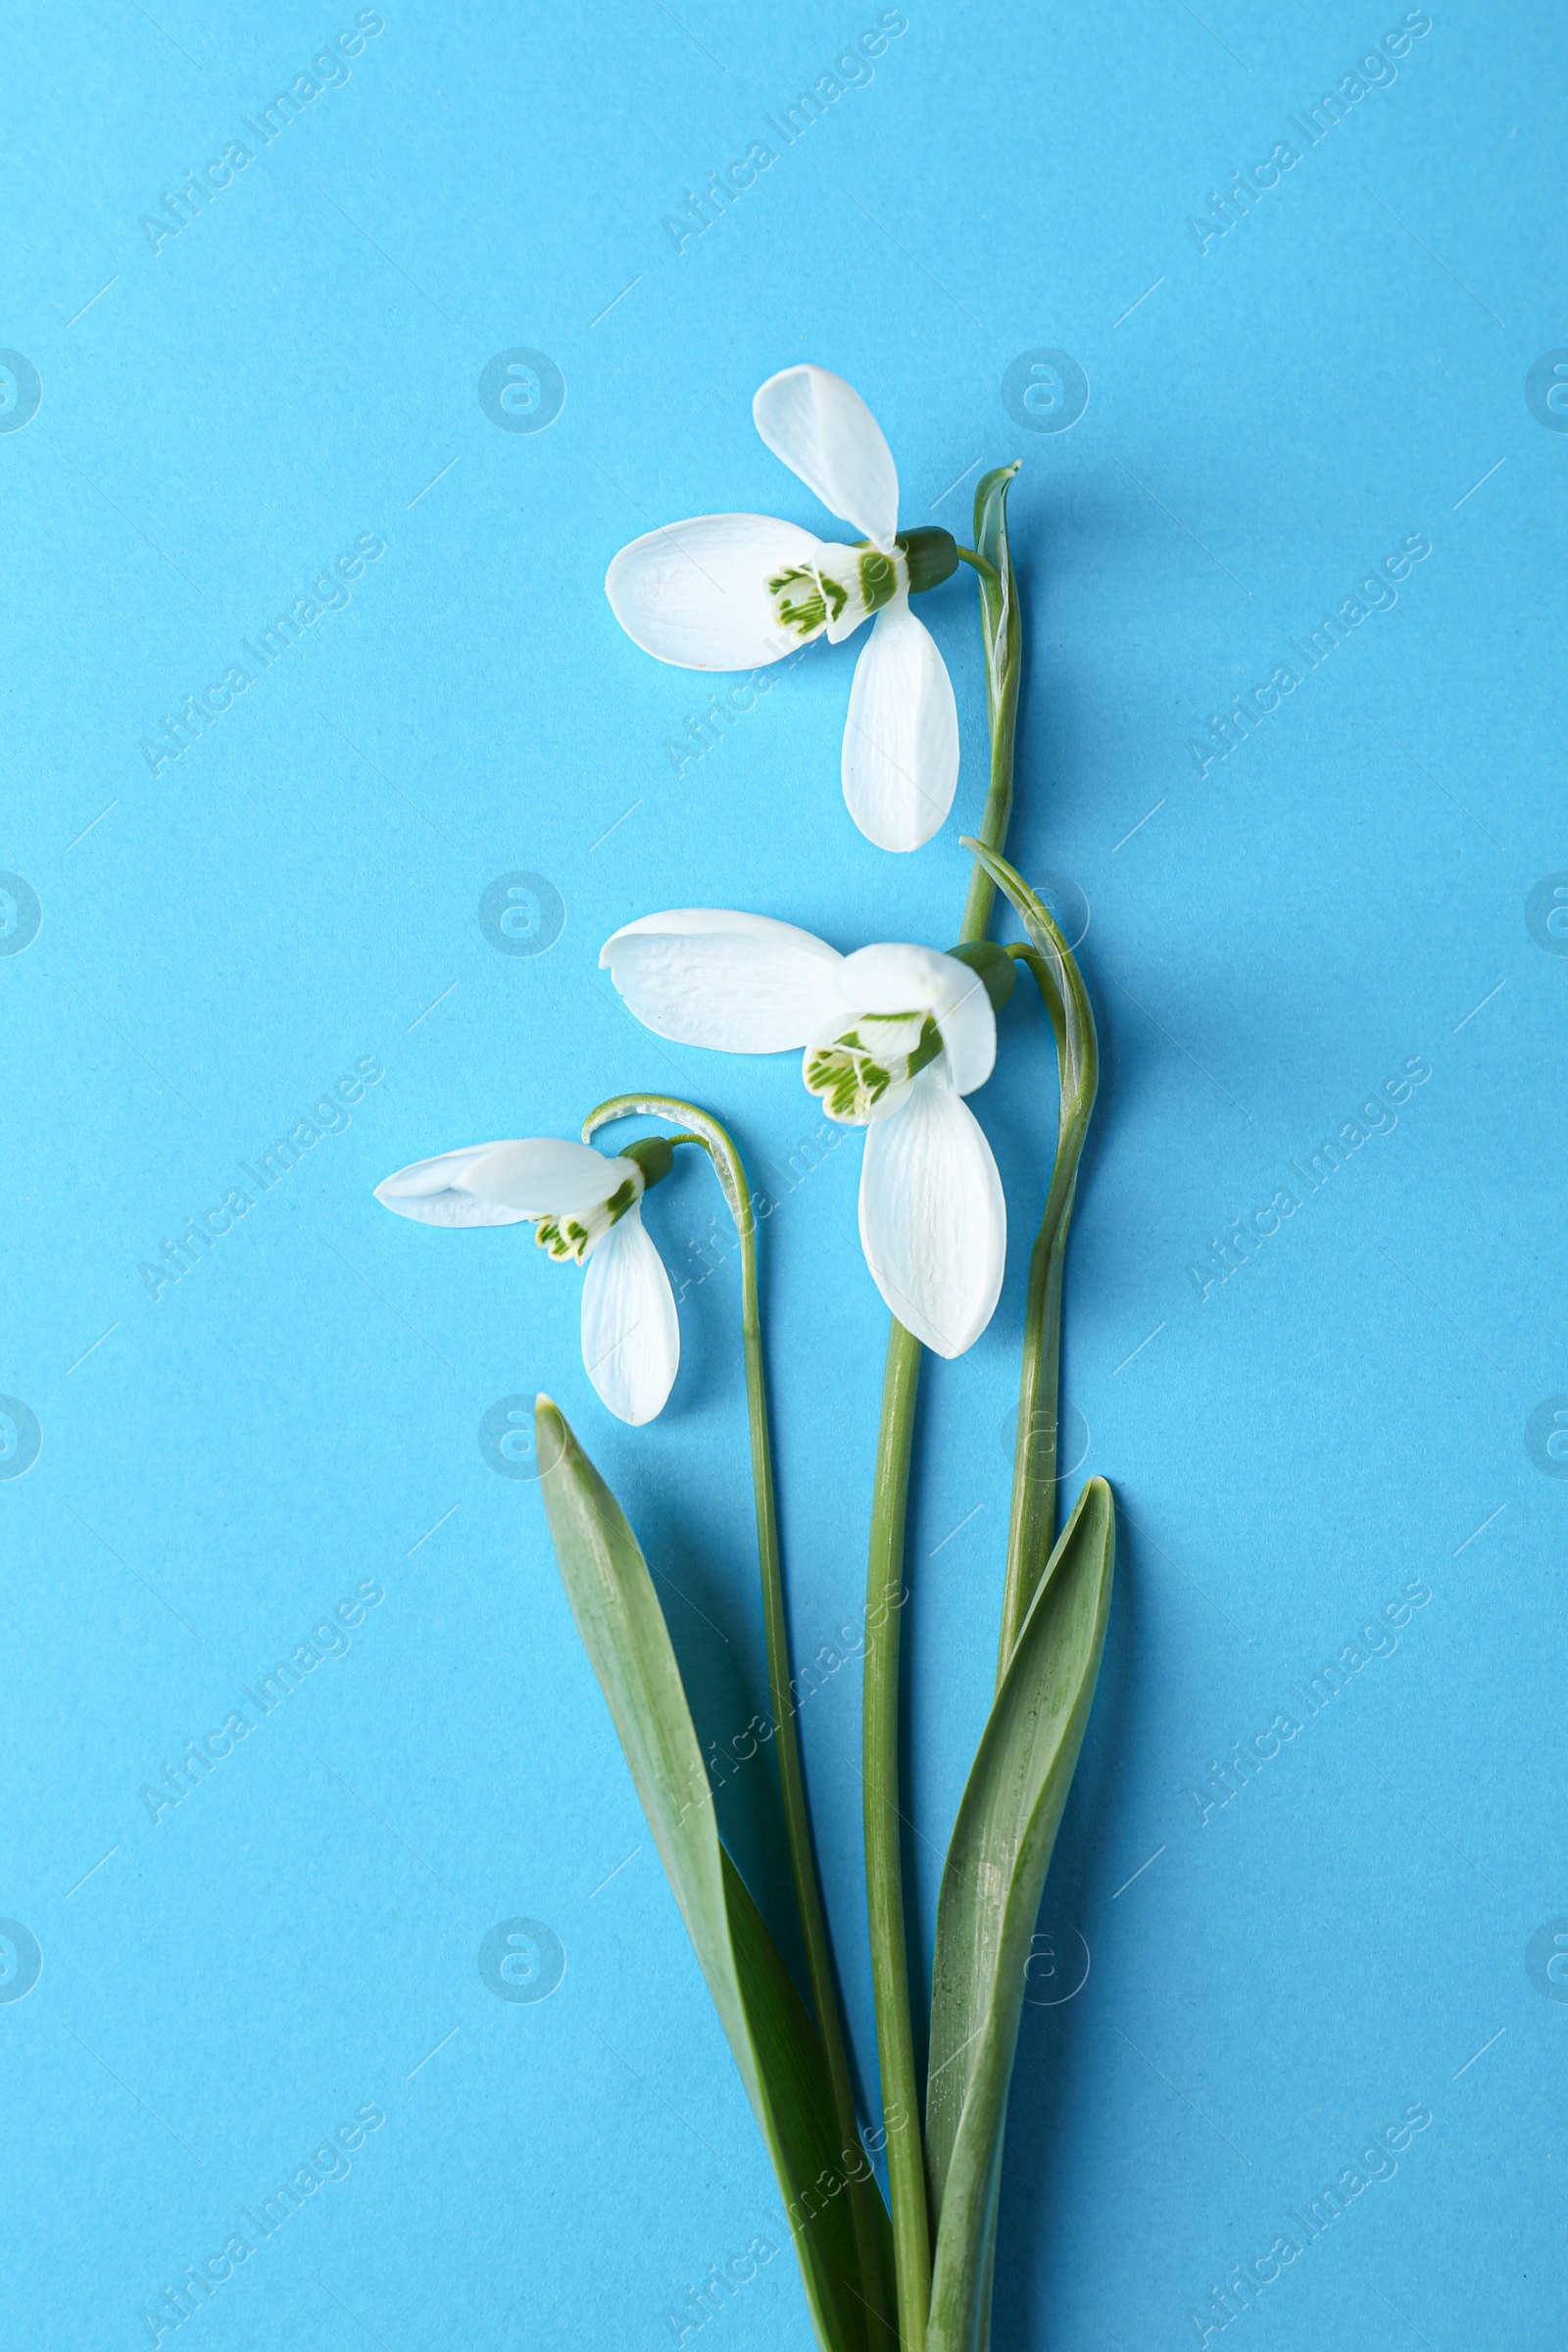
[699,1127]
[902,2094]
[902,2100]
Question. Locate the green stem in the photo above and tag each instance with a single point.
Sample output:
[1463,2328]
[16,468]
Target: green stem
[733,1182]
[791,1781]
[967,555]
[901,2101]
[1003,634]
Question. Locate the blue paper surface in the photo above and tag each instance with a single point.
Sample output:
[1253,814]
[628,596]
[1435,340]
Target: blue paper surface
[456,320]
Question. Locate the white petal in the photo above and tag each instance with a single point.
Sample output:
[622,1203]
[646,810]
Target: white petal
[901,739]
[547,1177]
[630,1331]
[742,983]
[968,1026]
[933,1220]
[433,1193]
[696,593]
[898,979]
[823,431]
[893,979]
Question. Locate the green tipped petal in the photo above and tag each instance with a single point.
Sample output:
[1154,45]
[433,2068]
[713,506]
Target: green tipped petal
[867,1073]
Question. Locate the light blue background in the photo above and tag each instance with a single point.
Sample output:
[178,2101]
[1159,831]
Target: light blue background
[219,942]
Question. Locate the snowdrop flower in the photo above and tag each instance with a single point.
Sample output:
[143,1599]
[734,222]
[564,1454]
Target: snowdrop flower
[584,1206]
[738,591]
[894,1037]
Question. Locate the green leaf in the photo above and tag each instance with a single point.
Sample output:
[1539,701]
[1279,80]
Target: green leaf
[991,1888]
[1002,634]
[775,2043]
[1000,619]
[1034,1481]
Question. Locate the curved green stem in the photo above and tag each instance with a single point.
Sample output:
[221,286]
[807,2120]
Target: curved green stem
[902,2102]
[968,554]
[731,1173]
[1032,1525]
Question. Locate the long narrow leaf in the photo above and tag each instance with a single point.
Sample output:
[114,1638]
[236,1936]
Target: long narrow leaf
[1033,1480]
[775,2043]
[991,1888]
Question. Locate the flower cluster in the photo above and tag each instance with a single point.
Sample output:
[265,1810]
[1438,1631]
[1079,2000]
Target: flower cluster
[892,1037]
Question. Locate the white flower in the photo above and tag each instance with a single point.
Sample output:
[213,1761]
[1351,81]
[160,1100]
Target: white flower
[586,1206]
[893,1037]
[737,591]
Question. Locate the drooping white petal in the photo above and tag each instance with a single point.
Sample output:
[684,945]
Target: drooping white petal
[933,1220]
[823,431]
[968,1026]
[901,739]
[895,978]
[433,1192]
[547,1177]
[696,593]
[630,1330]
[741,983]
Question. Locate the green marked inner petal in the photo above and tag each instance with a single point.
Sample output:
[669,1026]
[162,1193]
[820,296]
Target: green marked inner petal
[798,603]
[837,595]
[863,1073]
[574,1237]
[880,579]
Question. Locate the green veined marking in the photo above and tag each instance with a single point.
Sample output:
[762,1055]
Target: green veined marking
[803,613]
[853,1073]
[805,600]
[569,1237]
[807,614]
[880,579]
